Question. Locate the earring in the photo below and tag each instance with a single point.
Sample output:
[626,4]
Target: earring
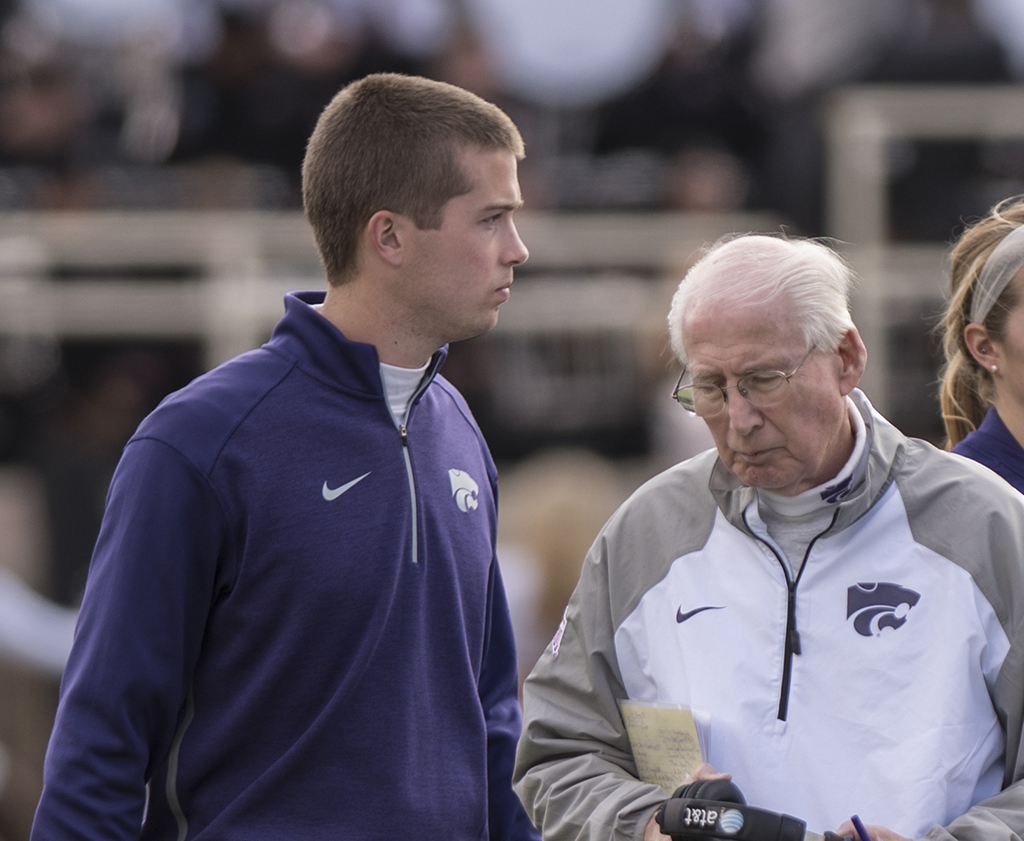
[994,369]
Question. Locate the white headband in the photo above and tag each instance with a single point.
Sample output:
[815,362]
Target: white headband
[1000,267]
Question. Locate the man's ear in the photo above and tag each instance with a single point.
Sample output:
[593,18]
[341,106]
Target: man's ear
[854,357]
[384,234]
[981,346]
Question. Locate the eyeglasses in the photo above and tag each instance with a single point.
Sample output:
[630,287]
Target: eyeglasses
[761,389]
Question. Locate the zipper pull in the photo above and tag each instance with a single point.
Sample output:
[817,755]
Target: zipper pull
[405,435]
[792,633]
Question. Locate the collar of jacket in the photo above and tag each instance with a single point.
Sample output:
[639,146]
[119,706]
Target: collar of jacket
[320,349]
[886,453]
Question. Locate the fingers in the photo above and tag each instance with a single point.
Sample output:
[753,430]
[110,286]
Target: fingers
[847,828]
[704,771]
[876,833]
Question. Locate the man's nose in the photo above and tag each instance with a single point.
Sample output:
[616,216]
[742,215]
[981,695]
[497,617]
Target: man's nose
[517,252]
[743,416]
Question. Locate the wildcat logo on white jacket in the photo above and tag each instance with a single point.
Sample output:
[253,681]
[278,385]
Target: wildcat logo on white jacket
[879,605]
[464,489]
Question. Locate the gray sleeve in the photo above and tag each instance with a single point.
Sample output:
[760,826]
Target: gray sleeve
[937,501]
[574,769]
[1000,818]
[997,819]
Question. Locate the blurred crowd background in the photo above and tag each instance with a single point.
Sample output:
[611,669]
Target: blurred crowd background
[647,104]
[644,107]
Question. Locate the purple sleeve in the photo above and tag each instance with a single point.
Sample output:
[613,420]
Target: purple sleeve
[151,582]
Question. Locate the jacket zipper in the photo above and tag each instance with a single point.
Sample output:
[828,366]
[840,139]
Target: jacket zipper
[403,433]
[792,641]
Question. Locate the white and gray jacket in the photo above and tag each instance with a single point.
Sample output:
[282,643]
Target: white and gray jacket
[886,679]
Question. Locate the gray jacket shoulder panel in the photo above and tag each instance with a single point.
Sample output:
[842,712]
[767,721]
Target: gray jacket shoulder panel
[944,493]
[575,716]
[966,513]
[667,517]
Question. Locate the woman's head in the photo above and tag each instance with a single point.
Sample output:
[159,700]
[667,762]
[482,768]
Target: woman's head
[983,293]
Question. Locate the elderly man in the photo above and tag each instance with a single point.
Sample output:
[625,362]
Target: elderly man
[847,603]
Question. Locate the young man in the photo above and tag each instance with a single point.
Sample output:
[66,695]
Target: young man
[845,602]
[294,625]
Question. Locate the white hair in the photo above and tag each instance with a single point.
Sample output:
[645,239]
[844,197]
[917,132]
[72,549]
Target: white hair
[753,269]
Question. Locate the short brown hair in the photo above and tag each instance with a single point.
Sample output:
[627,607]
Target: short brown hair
[967,389]
[392,142]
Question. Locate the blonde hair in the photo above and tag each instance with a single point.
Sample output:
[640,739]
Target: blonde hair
[967,388]
[392,142]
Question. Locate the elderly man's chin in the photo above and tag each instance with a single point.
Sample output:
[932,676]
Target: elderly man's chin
[768,474]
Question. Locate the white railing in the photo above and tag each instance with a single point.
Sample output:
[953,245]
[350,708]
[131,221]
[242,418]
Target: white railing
[227,271]
[860,125]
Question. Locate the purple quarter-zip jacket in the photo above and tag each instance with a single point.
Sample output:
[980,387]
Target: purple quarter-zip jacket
[294,625]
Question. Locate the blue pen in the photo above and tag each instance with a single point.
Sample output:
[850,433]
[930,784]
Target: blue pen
[859,826]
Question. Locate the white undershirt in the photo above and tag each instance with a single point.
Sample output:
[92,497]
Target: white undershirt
[400,385]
